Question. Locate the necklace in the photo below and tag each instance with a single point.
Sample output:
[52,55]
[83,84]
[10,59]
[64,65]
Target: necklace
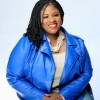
[60,41]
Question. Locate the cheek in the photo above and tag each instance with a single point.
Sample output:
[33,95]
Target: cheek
[60,20]
[44,24]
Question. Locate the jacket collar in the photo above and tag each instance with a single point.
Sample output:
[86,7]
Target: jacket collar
[45,46]
[69,37]
[72,55]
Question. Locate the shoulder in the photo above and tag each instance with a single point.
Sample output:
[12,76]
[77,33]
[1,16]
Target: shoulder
[79,41]
[21,47]
[23,41]
[81,47]
[75,37]
[72,39]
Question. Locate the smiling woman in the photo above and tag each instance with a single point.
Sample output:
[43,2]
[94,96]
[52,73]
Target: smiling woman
[48,63]
[51,20]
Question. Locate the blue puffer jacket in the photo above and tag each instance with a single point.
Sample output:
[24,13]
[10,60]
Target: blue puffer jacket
[31,73]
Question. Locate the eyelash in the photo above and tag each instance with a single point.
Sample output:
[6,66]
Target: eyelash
[55,15]
[45,17]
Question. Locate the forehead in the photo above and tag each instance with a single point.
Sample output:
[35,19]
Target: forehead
[49,9]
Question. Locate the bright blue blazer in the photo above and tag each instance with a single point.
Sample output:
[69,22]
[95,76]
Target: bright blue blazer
[31,73]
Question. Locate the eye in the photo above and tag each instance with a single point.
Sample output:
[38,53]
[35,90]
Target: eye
[57,14]
[44,17]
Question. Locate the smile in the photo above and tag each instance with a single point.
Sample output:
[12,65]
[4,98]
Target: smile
[53,25]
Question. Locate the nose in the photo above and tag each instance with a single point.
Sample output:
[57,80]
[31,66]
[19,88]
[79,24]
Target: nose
[52,19]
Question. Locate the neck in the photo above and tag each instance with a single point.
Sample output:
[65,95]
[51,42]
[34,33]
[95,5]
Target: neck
[53,37]
[56,45]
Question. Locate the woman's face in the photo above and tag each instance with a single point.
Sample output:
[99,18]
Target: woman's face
[51,19]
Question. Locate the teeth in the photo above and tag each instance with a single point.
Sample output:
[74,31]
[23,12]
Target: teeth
[53,25]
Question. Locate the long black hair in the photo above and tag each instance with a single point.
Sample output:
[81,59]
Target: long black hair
[35,30]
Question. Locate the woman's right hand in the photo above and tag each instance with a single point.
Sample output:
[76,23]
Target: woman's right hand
[54,96]
[46,98]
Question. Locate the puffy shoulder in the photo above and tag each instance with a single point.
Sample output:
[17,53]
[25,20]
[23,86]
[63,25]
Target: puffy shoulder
[23,42]
[77,39]
[21,48]
[81,48]
[78,42]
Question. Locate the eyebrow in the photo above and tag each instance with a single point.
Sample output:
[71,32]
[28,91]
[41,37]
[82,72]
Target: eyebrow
[53,13]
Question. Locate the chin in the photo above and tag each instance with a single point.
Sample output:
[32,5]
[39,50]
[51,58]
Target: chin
[53,31]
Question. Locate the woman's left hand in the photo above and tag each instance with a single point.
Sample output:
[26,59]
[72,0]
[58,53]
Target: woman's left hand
[54,96]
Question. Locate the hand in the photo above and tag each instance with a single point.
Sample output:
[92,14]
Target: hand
[46,97]
[54,96]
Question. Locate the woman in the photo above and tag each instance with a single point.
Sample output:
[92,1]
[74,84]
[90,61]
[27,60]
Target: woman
[48,63]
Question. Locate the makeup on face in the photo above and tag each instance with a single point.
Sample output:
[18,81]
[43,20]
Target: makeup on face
[51,19]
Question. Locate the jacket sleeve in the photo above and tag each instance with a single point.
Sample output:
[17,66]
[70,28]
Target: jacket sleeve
[16,74]
[76,86]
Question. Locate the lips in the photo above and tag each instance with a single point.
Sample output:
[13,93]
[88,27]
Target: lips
[53,25]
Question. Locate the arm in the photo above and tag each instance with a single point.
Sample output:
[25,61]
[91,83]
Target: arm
[16,74]
[76,86]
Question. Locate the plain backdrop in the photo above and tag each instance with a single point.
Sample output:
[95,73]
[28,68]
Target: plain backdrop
[82,18]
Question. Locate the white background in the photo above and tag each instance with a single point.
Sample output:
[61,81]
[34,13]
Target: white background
[82,18]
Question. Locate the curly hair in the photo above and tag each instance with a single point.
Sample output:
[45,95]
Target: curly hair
[35,29]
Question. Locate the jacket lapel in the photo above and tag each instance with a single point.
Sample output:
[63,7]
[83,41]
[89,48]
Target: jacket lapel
[50,67]
[71,57]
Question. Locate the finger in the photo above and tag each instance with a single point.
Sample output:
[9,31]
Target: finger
[48,95]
